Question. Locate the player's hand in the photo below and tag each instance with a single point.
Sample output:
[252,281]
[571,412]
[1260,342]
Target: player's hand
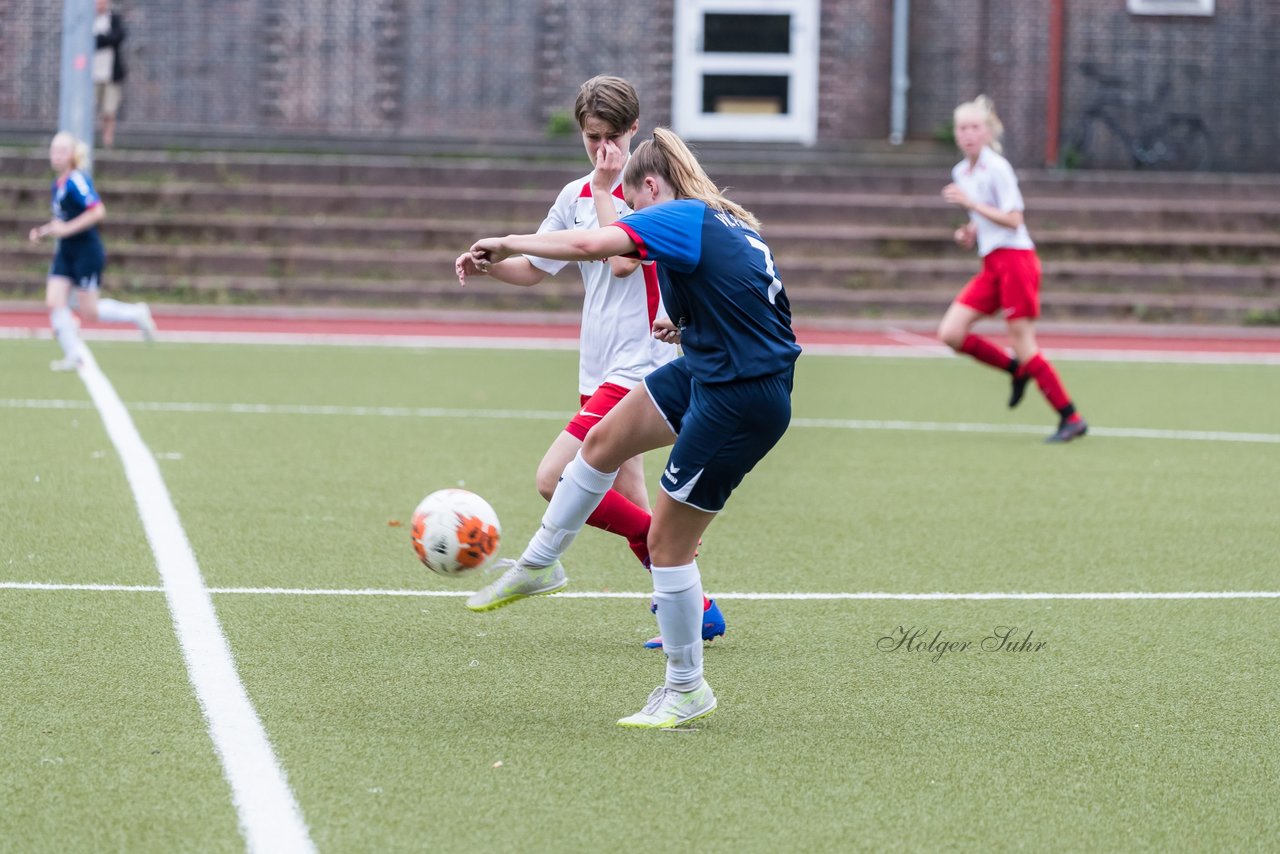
[666,331]
[609,162]
[956,196]
[34,235]
[489,251]
[466,266]
[966,236]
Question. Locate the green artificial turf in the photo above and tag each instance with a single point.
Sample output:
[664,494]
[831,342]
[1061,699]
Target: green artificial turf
[406,722]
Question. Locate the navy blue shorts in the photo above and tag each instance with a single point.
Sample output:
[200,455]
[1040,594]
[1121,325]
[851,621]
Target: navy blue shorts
[83,266]
[722,430]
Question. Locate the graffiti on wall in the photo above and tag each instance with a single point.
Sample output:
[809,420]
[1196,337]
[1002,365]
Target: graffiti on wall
[1119,126]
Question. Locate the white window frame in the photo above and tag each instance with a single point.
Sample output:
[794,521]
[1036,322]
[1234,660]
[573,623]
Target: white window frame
[1171,7]
[689,64]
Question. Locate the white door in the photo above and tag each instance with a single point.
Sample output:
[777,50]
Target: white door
[746,70]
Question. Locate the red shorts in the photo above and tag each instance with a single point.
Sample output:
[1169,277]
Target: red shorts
[594,407]
[1010,280]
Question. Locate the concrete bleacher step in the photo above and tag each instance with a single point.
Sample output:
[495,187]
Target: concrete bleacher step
[803,174]
[846,271]
[850,240]
[809,303]
[785,239]
[527,207]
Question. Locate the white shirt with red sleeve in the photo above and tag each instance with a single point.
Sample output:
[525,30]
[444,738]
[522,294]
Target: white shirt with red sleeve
[992,181]
[617,344]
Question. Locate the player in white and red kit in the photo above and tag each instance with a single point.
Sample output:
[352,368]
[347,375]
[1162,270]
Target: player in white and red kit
[617,348]
[984,184]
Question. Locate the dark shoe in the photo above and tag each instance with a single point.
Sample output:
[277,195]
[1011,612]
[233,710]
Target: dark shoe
[1069,430]
[1019,388]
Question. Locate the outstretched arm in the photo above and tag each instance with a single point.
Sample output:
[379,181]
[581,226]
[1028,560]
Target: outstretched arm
[593,245]
[513,271]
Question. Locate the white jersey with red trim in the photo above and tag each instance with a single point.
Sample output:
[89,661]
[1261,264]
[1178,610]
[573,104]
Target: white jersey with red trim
[992,181]
[617,344]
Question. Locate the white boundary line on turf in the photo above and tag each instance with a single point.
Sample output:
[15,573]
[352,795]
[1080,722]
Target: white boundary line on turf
[270,817]
[906,350]
[763,597]
[549,415]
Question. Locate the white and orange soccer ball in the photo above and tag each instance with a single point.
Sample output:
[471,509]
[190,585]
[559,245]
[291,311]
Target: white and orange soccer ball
[455,532]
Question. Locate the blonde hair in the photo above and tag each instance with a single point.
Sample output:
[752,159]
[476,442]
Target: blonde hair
[611,99]
[79,150]
[985,109]
[666,156]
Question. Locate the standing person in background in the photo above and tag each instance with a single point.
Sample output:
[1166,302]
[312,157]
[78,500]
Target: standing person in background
[108,68]
[622,303]
[79,257]
[984,185]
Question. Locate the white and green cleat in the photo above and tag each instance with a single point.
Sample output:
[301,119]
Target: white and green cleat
[669,708]
[519,582]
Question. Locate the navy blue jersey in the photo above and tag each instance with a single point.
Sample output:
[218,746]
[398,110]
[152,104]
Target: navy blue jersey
[720,287]
[71,198]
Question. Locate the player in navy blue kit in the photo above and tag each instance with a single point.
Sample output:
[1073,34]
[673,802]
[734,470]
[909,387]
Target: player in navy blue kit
[722,405]
[79,258]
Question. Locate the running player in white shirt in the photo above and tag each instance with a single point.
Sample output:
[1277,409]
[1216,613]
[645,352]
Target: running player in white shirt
[617,345]
[984,185]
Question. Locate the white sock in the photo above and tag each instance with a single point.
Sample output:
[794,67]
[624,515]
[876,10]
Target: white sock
[114,311]
[577,495]
[677,593]
[64,329]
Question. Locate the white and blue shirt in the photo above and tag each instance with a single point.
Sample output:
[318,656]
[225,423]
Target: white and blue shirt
[720,286]
[72,197]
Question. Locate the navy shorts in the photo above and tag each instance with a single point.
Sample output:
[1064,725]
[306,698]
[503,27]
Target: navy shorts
[722,430]
[82,266]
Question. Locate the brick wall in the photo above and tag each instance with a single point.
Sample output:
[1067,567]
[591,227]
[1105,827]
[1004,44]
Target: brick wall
[1223,69]
[468,68]
[636,44]
[854,66]
[997,47]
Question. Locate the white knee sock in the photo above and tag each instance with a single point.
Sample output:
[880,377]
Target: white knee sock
[677,593]
[114,311]
[64,329]
[578,493]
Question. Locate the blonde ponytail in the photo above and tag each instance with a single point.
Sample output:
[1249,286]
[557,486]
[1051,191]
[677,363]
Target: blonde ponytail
[667,156]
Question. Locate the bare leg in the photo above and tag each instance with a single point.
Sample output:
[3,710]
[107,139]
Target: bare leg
[957,324]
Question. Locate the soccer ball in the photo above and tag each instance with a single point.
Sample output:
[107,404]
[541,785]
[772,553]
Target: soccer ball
[455,532]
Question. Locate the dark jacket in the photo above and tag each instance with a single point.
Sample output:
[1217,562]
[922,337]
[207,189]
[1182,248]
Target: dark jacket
[113,38]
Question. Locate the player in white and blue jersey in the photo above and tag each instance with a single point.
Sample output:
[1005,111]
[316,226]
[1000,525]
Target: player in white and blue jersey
[721,406]
[79,258]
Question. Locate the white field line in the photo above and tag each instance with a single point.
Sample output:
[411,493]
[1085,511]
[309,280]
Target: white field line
[549,415]
[761,597]
[270,817]
[912,347]
[321,339]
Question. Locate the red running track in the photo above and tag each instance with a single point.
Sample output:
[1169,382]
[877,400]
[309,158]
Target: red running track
[1262,341]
